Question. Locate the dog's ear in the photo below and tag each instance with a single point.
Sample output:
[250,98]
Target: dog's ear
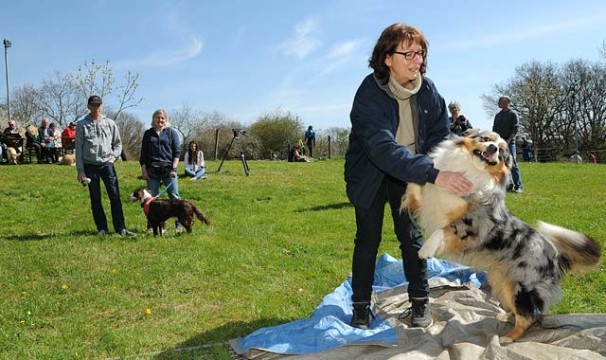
[471,132]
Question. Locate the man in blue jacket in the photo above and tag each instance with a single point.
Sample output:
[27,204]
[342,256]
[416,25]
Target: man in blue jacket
[397,117]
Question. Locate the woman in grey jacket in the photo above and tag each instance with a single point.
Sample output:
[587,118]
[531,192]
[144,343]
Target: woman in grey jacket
[397,117]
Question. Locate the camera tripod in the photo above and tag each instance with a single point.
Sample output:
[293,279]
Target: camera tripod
[236,132]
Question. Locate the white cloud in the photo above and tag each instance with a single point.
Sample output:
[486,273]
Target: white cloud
[168,57]
[304,41]
[341,54]
[525,34]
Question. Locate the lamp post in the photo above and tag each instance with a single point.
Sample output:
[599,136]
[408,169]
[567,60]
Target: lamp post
[7,44]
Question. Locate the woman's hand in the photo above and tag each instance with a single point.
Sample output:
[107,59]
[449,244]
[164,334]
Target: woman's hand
[454,181]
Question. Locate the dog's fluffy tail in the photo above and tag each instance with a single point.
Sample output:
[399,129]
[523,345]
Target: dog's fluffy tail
[583,252]
[201,216]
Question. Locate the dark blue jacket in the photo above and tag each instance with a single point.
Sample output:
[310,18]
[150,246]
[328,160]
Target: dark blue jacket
[161,148]
[373,152]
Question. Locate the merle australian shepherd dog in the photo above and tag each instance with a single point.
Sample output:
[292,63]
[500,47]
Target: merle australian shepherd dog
[524,265]
[160,210]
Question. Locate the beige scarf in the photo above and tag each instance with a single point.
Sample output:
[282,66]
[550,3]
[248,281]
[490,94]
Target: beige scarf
[405,134]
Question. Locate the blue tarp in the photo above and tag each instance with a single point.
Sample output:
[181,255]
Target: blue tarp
[328,326]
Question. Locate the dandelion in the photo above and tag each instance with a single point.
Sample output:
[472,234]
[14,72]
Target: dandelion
[64,287]
[148,311]
[114,271]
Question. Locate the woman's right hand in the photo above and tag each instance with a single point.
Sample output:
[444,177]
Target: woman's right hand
[454,181]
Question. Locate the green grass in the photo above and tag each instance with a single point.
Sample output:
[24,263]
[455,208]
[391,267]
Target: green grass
[281,240]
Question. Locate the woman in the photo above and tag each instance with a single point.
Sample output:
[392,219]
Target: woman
[297,155]
[397,117]
[194,162]
[160,151]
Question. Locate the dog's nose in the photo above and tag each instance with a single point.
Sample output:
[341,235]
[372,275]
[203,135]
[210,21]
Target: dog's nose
[492,149]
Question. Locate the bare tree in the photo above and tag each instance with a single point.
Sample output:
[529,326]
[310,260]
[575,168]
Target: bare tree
[187,120]
[560,107]
[131,133]
[26,104]
[339,138]
[59,99]
[96,79]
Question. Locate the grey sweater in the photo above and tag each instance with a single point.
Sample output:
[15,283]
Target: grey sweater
[97,142]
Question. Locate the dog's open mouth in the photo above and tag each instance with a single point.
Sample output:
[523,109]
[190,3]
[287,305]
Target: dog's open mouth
[486,157]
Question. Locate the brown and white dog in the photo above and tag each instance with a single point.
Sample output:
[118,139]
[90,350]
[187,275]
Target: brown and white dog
[524,265]
[68,159]
[160,210]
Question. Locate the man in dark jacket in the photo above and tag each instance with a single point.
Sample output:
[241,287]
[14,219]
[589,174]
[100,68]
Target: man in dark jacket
[397,117]
[506,125]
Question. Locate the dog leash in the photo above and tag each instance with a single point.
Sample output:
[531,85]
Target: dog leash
[166,188]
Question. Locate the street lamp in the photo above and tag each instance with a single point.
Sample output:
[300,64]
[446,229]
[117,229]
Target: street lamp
[7,44]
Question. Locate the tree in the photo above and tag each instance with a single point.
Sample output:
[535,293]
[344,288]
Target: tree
[339,141]
[277,130]
[26,104]
[95,79]
[58,99]
[188,121]
[131,133]
[560,106]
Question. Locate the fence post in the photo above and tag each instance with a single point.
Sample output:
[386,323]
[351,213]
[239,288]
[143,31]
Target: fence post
[329,147]
[216,144]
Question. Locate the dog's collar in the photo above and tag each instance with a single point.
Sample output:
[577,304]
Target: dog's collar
[145,205]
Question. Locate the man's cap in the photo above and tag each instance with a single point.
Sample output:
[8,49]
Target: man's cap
[95,99]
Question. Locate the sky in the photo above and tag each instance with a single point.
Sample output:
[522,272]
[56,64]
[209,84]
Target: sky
[248,58]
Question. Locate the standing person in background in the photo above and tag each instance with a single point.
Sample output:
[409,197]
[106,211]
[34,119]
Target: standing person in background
[194,162]
[98,146]
[527,151]
[506,125]
[160,152]
[458,123]
[397,117]
[310,140]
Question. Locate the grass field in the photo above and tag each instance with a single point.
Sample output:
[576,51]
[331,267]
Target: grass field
[281,240]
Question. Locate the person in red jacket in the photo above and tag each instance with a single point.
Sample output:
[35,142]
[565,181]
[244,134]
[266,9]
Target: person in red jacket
[68,137]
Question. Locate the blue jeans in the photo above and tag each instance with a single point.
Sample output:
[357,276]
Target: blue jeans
[173,190]
[107,173]
[196,175]
[369,224]
[516,177]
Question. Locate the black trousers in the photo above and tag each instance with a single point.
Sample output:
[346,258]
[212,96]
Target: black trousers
[369,223]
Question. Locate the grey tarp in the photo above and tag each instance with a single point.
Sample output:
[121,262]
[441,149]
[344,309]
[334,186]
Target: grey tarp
[465,327]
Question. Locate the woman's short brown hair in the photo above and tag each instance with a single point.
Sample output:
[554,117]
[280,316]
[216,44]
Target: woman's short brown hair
[389,40]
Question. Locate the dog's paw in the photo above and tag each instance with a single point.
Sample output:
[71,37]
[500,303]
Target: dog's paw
[505,340]
[503,316]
